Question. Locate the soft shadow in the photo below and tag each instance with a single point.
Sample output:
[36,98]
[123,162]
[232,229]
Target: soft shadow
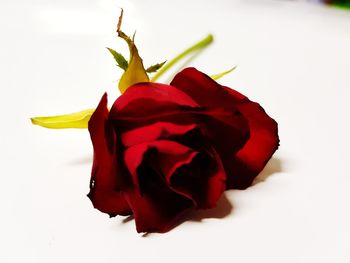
[224,206]
[145,234]
[273,166]
[127,219]
[130,218]
[222,209]
[82,160]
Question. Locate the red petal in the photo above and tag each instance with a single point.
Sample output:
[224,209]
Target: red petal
[203,178]
[156,207]
[181,168]
[227,130]
[263,142]
[169,155]
[156,92]
[156,131]
[203,89]
[146,103]
[104,192]
[219,126]
[183,176]
[159,209]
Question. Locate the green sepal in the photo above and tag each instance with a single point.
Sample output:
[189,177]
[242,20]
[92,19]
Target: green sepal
[119,58]
[154,68]
[135,72]
[220,75]
[78,120]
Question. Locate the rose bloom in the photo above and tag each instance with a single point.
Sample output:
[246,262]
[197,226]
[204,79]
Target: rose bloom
[164,150]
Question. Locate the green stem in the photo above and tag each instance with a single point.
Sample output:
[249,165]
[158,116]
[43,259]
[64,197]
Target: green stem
[196,47]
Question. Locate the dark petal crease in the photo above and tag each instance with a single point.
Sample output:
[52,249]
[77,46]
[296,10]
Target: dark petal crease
[203,178]
[165,172]
[155,206]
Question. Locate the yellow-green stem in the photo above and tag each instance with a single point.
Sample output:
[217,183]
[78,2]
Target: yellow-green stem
[196,47]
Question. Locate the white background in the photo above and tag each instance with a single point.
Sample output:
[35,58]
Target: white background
[293,58]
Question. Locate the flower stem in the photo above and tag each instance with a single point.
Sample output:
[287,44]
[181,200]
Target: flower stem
[196,47]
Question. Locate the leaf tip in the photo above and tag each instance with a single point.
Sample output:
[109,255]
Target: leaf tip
[33,120]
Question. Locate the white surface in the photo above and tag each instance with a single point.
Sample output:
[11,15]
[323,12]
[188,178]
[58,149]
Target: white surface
[293,58]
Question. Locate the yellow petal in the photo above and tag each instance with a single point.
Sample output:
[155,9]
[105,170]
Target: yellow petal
[77,120]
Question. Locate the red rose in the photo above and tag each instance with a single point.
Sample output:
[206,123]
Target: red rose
[163,150]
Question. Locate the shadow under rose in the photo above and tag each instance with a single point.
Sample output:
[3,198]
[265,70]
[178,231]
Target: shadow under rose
[222,209]
[272,167]
[82,160]
[127,219]
[224,206]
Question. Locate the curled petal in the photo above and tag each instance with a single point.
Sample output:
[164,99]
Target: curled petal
[165,172]
[156,131]
[163,155]
[227,130]
[151,210]
[155,205]
[243,164]
[106,179]
[203,178]
[202,89]
[263,142]
[158,93]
